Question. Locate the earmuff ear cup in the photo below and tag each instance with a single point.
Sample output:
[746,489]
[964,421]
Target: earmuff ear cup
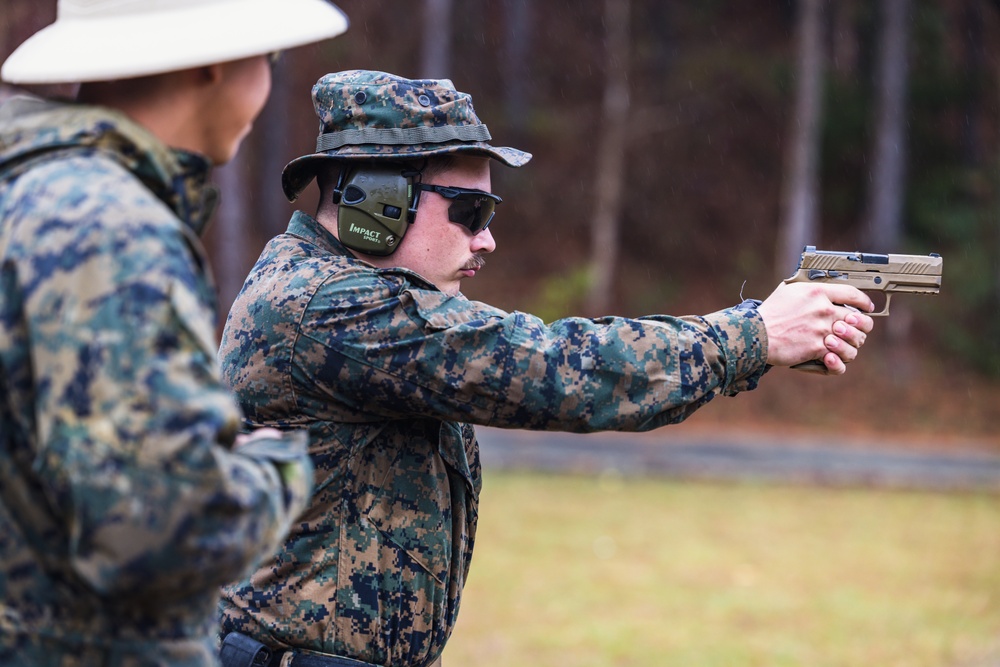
[353,195]
[370,216]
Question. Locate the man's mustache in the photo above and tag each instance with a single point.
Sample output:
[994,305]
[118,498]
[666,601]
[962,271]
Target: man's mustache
[475,263]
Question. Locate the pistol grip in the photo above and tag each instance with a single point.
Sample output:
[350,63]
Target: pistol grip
[814,366]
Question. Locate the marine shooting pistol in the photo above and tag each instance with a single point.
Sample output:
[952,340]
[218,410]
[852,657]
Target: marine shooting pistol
[869,272]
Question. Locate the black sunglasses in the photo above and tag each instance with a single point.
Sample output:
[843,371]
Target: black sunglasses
[473,209]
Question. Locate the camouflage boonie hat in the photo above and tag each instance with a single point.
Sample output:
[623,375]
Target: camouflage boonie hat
[366,115]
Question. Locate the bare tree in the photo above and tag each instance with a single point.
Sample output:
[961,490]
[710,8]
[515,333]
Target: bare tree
[435,61]
[884,222]
[846,48]
[252,205]
[975,65]
[19,19]
[996,274]
[799,223]
[610,176]
[233,256]
[515,67]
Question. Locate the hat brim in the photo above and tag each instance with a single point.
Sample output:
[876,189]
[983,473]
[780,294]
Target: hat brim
[298,173]
[171,38]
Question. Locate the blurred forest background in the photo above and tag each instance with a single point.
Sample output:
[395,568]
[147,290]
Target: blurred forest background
[684,154]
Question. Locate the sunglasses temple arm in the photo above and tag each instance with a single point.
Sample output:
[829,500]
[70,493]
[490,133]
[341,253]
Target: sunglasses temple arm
[411,213]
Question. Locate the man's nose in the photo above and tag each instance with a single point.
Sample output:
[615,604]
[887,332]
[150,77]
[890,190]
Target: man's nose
[484,242]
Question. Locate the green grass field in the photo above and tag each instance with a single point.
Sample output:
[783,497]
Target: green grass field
[610,571]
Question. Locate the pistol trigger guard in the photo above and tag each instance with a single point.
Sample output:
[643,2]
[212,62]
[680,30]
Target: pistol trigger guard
[885,311]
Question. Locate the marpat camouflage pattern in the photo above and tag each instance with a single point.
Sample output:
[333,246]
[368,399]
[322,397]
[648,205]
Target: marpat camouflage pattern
[369,115]
[122,506]
[388,374]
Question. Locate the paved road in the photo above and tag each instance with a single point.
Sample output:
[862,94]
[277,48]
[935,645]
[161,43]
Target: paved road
[721,457]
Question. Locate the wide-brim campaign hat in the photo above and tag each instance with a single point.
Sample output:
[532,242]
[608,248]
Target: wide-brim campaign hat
[105,40]
[369,115]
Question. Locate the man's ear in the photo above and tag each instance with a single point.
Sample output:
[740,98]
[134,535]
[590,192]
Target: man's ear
[209,74]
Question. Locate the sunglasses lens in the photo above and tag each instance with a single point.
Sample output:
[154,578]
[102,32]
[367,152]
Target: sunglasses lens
[472,211]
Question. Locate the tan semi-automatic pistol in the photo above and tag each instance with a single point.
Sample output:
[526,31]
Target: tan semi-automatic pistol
[869,272]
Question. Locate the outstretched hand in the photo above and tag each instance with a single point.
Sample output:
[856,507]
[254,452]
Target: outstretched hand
[806,321]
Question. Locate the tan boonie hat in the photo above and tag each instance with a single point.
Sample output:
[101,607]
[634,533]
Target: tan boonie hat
[105,40]
[367,115]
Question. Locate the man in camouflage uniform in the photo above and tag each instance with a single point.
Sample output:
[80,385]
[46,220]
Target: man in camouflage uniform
[377,353]
[123,504]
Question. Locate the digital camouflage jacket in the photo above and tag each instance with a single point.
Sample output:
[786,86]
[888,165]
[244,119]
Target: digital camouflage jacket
[122,506]
[388,374]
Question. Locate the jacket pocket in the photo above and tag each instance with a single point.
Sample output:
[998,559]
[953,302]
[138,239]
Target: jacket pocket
[413,508]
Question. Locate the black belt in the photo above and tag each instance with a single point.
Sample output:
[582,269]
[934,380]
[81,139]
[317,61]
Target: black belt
[302,659]
[239,650]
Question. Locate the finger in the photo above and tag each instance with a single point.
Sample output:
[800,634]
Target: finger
[850,335]
[845,351]
[860,321]
[849,296]
[834,364]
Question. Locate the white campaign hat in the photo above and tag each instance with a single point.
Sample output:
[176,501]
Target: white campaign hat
[104,40]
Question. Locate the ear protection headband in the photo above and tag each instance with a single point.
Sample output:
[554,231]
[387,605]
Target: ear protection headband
[375,207]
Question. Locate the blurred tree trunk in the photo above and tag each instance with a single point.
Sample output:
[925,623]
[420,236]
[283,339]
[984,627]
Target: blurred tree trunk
[846,43]
[996,276]
[228,234]
[276,140]
[253,207]
[19,19]
[885,201]
[611,140]
[656,39]
[884,228]
[799,225]
[435,57]
[516,72]
[975,59]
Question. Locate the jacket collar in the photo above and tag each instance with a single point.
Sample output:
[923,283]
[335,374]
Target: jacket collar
[309,229]
[31,127]
[306,227]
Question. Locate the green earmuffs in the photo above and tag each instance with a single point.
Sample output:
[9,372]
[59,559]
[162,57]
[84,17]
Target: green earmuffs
[374,207]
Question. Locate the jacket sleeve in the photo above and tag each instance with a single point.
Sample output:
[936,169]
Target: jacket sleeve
[425,353]
[135,430]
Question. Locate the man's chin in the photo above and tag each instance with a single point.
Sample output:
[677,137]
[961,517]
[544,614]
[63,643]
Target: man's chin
[453,288]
